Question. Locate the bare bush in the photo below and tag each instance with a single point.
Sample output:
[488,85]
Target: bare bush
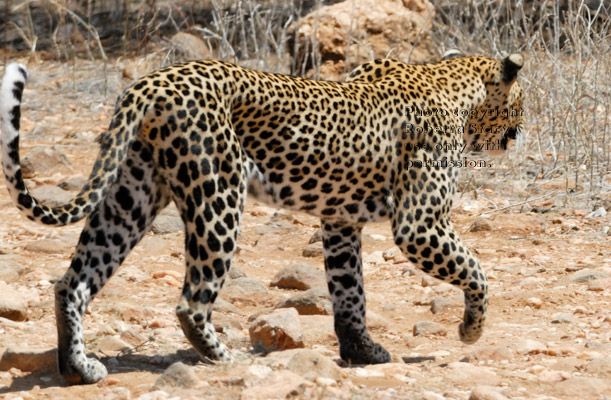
[567,79]
[250,34]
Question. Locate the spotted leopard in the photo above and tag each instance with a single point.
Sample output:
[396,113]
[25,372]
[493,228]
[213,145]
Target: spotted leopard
[203,134]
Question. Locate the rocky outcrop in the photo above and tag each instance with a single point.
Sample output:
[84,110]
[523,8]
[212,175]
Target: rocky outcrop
[350,33]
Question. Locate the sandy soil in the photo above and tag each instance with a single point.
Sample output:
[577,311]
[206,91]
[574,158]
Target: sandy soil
[548,335]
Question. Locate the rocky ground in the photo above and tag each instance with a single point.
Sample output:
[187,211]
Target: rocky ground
[548,334]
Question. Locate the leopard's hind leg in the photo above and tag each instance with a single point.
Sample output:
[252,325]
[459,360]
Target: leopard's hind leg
[111,231]
[423,231]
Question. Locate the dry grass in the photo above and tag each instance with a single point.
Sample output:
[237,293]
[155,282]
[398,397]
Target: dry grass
[567,80]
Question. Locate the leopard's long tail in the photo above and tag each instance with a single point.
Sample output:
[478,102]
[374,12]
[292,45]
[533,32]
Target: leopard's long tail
[105,170]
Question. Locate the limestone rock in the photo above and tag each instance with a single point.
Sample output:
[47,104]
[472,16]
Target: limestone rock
[254,374]
[189,46]
[582,276]
[278,385]
[133,70]
[133,337]
[313,250]
[278,330]
[553,376]
[600,212]
[428,281]
[29,360]
[489,353]
[460,372]
[562,318]
[73,183]
[392,370]
[530,346]
[236,272]
[154,395]
[582,388]
[154,245]
[222,322]
[600,367]
[177,375]
[429,328]
[112,345]
[11,267]
[311,365]
[270,241]
[224,306]
[45,160]
[377,321]
[12,304]
[317,328]
[443,304]
[397,29]
[391,253]
[300,276]
[316,236]
[50,246]
[375,257]
[315,301]
[114,393]
[486,393]
[52,196]
[164,224]
[243,288]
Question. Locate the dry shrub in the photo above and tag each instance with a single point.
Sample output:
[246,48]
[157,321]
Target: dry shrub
[567,80]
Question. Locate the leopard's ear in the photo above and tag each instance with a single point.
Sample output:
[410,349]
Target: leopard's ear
[452,53]
[511,65]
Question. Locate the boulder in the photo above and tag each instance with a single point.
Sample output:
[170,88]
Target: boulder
[189,47]
[443,304]
[29,360]
[11,267]
[313,250]
[164,224]
[429,328]
[243,289]
[315,301]
[45,160]
[177,375]
[12,304]
[277,385]
[310,364]
[52,196]
[350,33]
[300,276]
[278,330]
[583,276]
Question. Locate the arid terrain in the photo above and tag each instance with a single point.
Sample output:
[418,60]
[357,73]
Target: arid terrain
[548,334]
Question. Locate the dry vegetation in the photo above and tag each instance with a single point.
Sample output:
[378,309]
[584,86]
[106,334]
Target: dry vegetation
[567,80]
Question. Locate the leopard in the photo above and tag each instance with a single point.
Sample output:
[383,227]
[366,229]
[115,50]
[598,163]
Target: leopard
[204,134]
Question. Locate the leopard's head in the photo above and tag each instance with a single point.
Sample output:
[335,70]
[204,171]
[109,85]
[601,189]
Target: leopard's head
[499,118]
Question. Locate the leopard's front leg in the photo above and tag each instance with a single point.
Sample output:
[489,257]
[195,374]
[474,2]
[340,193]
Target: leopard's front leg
[343,266]
[436,249]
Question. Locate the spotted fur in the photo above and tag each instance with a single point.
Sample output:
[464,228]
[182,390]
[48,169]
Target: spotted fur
[203,133]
